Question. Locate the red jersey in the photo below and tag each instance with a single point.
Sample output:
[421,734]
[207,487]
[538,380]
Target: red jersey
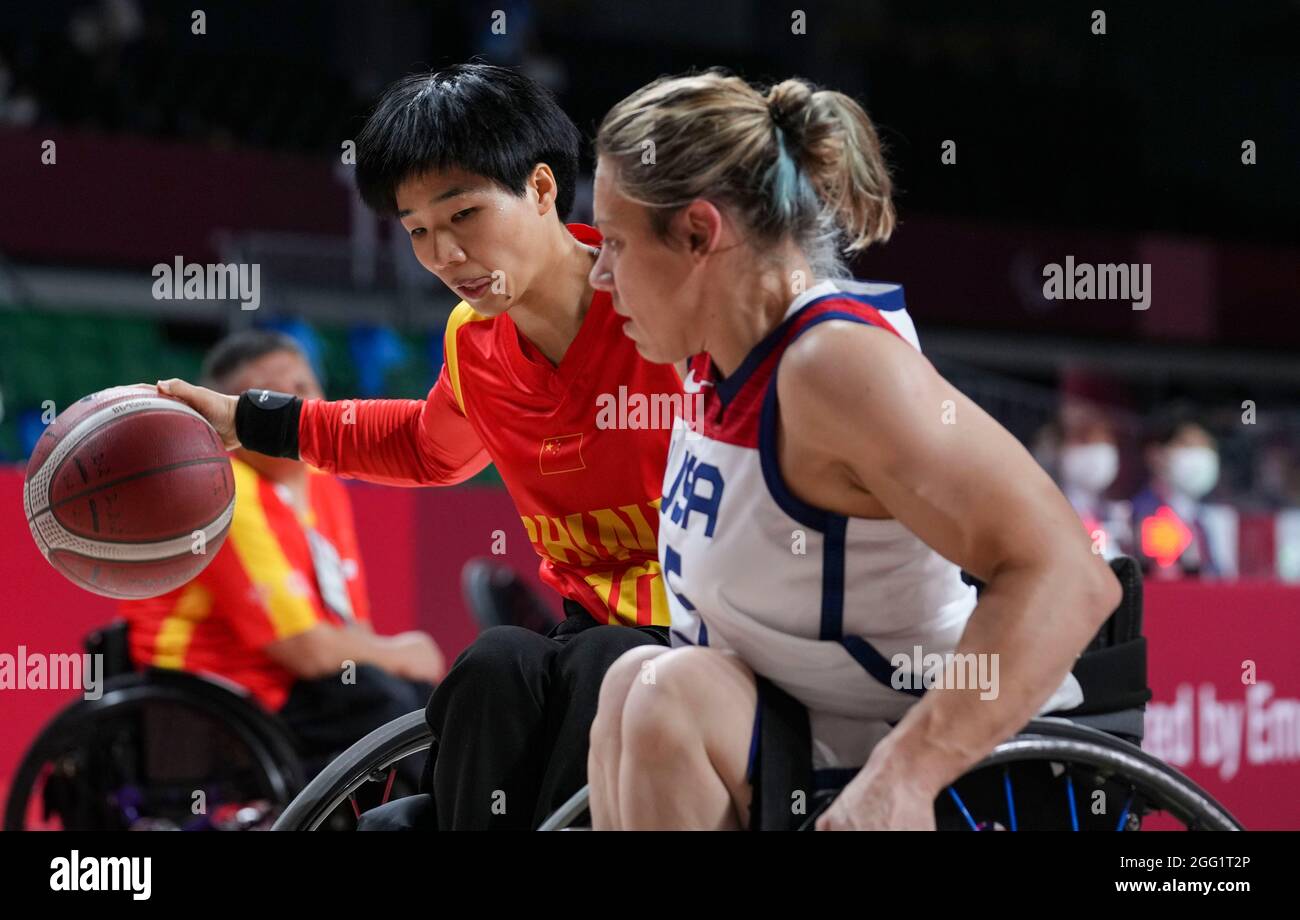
[264,584]
[587,491]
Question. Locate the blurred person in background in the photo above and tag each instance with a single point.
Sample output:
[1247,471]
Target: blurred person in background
[1087,462]
[1170,515]
[1277,474]
[283,606]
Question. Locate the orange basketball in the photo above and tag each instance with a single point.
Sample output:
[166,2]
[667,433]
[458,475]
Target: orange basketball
[129,493]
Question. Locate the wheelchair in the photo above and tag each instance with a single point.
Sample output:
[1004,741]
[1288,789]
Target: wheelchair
[160,749]
[1049,776]
[135,757]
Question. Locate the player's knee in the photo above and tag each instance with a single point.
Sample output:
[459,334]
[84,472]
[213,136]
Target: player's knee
[684,674]
[654,728]
[619,678]
[622,674]
[657,712]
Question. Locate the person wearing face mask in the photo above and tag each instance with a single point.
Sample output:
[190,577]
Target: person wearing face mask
[1183,462]
[1087,463]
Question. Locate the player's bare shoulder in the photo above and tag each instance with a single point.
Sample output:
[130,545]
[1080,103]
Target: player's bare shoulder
[844,376]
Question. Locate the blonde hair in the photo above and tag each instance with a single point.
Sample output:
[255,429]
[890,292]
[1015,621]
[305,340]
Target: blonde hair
[794,162]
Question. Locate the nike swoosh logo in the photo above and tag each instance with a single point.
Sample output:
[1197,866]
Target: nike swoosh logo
[691,385]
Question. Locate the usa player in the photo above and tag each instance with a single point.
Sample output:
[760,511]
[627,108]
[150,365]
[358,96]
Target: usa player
[812,531]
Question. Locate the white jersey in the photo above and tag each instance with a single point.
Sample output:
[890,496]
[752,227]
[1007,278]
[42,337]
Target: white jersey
[818,603]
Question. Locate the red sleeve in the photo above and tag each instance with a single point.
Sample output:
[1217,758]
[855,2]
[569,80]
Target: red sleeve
[399,442]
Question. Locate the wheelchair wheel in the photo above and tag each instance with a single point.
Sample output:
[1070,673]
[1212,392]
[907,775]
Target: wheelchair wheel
[1051,776]
[372,760]
[139,756]
[1058,775]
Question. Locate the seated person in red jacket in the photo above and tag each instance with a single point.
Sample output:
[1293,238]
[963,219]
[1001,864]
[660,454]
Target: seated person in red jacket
[283,608]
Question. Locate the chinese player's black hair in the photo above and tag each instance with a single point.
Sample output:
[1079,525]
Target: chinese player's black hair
[484,119]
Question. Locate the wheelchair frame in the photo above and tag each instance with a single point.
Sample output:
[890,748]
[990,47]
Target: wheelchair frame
[1054,740]
[267,741]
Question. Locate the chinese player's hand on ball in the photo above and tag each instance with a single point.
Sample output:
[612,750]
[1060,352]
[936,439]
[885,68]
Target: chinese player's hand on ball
[129,493]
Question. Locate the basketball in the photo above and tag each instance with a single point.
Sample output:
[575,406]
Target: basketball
[129,494]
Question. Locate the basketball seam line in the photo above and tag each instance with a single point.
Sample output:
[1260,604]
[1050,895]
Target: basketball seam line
[130,476]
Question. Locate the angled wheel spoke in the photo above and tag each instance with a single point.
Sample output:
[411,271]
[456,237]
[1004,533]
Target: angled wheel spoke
[1011,801]
[1123,815]
[952,790]
[1074,814]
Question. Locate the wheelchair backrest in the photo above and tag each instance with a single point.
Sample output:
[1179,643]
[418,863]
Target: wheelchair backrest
[113,642]
[1125,624]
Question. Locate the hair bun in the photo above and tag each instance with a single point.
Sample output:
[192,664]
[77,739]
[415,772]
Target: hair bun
[787,104]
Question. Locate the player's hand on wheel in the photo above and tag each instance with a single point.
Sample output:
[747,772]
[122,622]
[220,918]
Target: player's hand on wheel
[873,803]
[217,408]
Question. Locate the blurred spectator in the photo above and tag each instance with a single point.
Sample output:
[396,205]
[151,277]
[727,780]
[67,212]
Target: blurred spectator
[1045,446]
[17,107]
[1087,463]
[1178,533]
[1277,475]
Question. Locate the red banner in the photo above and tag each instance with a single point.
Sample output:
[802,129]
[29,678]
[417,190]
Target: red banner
[1225,670]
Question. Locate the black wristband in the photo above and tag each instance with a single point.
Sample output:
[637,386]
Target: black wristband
[267,422]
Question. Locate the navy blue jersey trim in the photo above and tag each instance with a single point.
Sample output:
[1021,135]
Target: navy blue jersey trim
[752,761]
[702,639]
[832,627]
[875,664]
[730,385]
[806,514]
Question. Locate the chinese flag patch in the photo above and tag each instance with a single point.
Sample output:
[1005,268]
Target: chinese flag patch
[561,455]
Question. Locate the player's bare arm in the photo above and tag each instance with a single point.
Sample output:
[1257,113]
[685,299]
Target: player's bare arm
[869,423]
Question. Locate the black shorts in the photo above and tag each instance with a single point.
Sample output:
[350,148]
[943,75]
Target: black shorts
[780,761]
[788,794]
